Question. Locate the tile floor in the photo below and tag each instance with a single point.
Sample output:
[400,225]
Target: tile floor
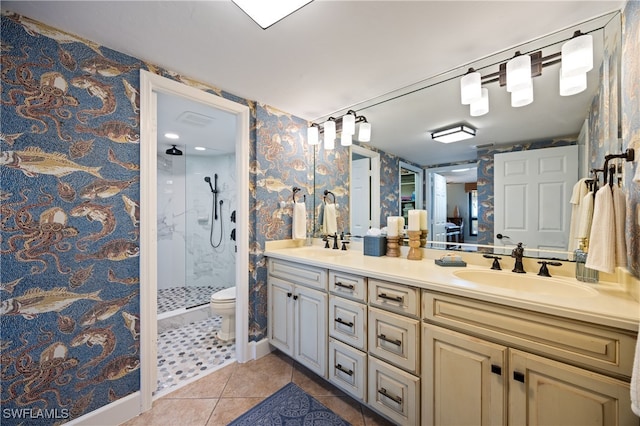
[173,298]
[191,350]
[223,395]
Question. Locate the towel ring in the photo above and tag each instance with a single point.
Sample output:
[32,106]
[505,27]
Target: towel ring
[295,190]
[327,192]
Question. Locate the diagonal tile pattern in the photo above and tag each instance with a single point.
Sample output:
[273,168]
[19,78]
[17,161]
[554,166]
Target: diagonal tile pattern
[225,394]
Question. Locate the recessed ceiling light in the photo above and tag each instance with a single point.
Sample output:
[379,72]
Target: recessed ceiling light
[200,148]
[172,136]
[266,13]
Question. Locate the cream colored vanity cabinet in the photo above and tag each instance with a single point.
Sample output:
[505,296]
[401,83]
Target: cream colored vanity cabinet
[510,366]
[394,351]
[348,333]
[297,312]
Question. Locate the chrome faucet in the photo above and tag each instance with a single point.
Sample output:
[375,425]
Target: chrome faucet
[518,253]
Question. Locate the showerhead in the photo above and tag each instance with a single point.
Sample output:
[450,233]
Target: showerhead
[173,151]
[208,180]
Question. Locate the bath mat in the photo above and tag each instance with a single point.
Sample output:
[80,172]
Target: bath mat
[289,406]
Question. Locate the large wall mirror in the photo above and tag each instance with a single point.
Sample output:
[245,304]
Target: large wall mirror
[402,123]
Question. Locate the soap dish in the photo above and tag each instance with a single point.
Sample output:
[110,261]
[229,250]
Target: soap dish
[441,262]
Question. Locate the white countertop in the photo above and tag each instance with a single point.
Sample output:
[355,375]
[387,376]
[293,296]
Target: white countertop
[607,305]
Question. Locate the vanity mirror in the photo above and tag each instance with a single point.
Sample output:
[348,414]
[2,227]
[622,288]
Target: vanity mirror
[402,123]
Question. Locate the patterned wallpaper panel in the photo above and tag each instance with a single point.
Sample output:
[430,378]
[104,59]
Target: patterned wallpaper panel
[69,171]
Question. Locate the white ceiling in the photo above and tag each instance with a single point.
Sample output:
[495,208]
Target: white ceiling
[331,55]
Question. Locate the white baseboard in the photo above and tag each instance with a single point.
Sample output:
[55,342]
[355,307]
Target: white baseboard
[259,349]
[112,414]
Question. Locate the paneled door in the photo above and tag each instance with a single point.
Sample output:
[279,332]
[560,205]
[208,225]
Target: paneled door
[531,197]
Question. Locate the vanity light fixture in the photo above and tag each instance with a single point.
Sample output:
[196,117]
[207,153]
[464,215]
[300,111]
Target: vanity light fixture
[454,134]
[576,56]
[345,125]
[267,12]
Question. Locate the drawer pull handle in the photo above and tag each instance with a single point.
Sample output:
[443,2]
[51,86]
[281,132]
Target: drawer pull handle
[519,377]
[344,370]
[386,339]
[343,322]
[347,286]
[393,298]
[496,369]
[396,399]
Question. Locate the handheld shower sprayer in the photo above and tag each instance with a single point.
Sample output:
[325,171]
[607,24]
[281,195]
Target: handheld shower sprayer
[214,207]
[208,180]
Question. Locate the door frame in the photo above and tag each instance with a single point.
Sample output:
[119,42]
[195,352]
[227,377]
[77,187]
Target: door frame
[375,182]
[150,83]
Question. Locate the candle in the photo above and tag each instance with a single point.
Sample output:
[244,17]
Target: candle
[423,220]
[414,220]
[392,226]
[400,225]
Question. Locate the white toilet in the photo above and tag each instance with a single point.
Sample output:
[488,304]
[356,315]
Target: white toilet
[223,303]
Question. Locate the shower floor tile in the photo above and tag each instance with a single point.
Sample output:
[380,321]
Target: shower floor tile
[170,299]
[188,351]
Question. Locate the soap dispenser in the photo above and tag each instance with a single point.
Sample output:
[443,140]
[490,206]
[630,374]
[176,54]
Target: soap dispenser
[583,273]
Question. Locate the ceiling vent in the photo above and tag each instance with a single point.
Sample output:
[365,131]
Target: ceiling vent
[195,119]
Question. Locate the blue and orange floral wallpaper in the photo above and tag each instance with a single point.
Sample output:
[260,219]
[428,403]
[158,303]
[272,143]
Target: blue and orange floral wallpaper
[70,194]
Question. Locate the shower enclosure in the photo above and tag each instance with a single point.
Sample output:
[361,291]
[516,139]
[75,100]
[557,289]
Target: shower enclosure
[196,207]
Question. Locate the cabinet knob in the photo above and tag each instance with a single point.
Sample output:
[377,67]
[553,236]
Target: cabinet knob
[295,297]
[289,294]
[518,377]
[496,369]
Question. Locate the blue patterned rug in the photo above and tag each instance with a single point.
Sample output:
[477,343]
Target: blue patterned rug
[289,406]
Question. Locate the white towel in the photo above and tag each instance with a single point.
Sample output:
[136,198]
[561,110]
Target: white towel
[602,247]
[636,177]
[586,216]
[580,189]
[620,212]
[299,221]
[330,221]
[635,381]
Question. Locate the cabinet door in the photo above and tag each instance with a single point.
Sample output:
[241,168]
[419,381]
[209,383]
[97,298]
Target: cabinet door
[546,392]
[280,311]
[463,379]
[310,307]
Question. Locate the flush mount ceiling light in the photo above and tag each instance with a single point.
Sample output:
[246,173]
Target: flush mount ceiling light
[172,136]
[266,13]
[454,134]
[345,125]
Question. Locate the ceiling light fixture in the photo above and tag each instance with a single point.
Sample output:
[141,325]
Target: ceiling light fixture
[200,148]
[172,136]
[345,125]
[576,55]
[454,134]
[266,13]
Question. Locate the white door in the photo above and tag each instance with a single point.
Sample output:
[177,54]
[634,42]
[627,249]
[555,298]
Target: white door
[438,191]
[280,314]
[531,198]
[360,197]
[310,308]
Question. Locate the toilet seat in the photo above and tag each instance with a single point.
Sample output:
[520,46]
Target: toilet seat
[226,295]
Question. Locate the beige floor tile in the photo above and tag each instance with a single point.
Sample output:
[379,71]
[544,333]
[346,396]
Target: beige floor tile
[179,412]
[347,408]
[229,409]
[312,384]
[259,378]
[371,418]
[210,386]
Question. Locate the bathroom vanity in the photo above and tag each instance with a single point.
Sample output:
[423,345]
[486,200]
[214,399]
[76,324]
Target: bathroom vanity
[431,345]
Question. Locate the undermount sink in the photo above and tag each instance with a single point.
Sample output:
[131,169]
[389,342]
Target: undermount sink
[533,284]
[323,252]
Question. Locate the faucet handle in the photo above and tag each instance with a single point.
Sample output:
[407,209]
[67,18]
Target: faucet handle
[496,264]
[544,271]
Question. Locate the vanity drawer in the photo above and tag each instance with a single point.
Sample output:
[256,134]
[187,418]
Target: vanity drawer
[348,369]
[347,285]
[394,393]
[395,338]
[298,273]
[347,321]
[583,344]
[394,297]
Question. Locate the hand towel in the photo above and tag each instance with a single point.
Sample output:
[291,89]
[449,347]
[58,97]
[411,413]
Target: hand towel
[299,221]
[602,247]
[635,381]
[580,189]
[636,176]
[330,222]
[586,217]
[620,212]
